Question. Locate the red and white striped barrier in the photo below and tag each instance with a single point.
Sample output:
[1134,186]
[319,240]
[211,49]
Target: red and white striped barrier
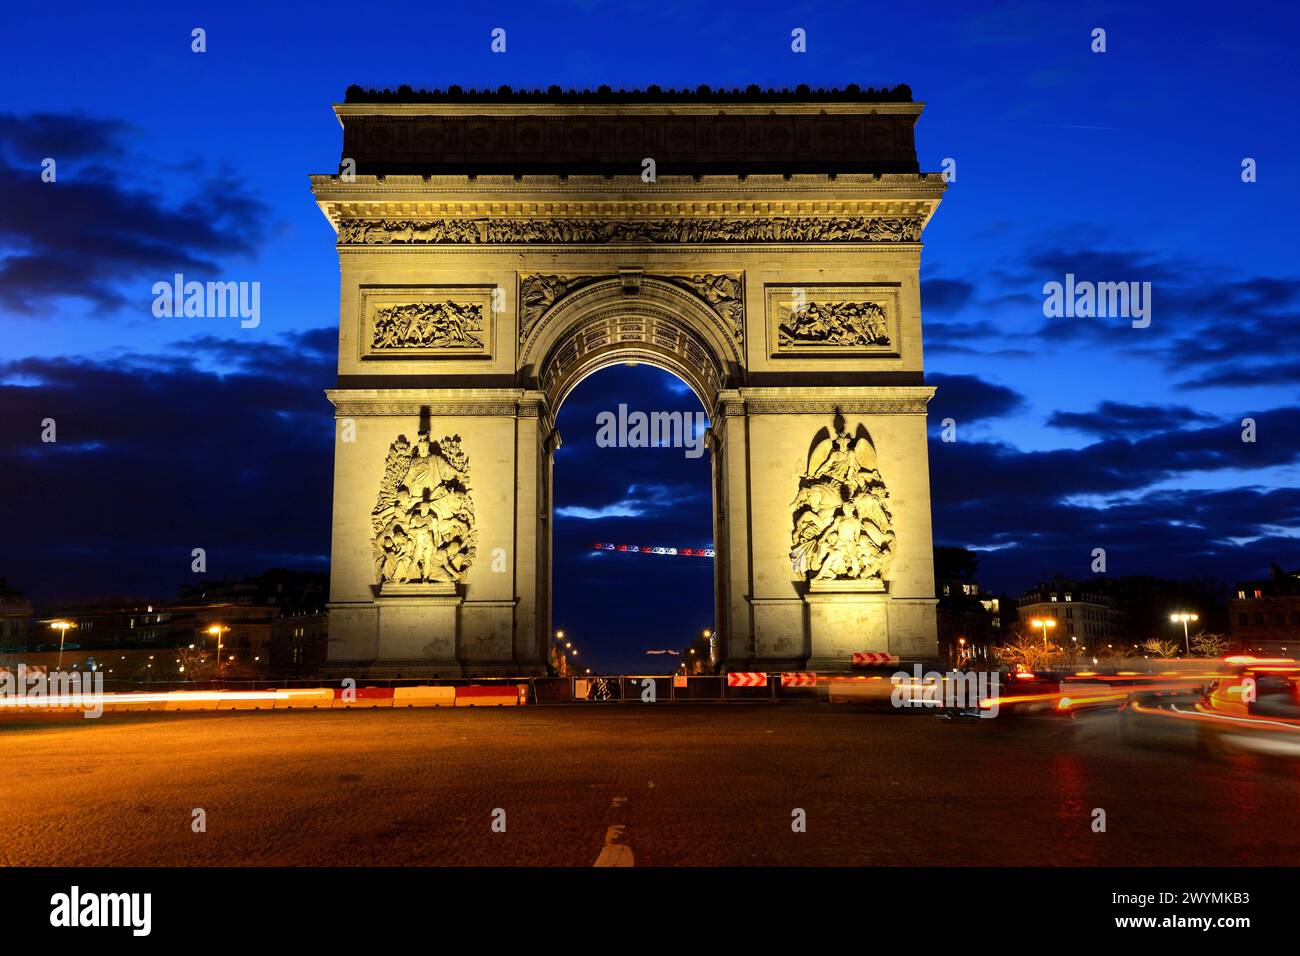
[746,679]
[798,679]
[873,659]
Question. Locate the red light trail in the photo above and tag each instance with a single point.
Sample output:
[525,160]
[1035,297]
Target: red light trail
[653,549]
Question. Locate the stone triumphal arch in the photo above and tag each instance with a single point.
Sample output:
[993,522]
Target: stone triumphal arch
[496,249]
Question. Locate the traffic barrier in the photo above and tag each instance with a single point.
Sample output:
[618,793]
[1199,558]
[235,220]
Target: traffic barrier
[746,679]
[424,696]
[304,698]
[123,703]
[870,688]
[798,679]
[361,697]
[191,700]
[487,695]
[234,700]
[874,659]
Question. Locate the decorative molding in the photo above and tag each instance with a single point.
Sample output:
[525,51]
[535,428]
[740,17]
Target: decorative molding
[361,408]
[600,231]
[724,293]
[842,321]
[886,406]
[537,293]
[426,322]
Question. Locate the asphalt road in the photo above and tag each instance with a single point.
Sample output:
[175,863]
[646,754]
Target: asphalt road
[692,785]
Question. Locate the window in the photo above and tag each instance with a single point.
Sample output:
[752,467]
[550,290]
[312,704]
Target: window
[1068,596]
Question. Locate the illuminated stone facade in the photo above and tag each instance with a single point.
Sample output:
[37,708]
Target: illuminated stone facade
[779,280]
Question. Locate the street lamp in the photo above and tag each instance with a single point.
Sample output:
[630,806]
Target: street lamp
[1183,617]
[62,628]
[216,630]
[1044,623]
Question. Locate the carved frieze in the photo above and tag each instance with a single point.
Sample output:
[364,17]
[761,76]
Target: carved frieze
[426,321]
[423,520]
[843,528]
[725,294]
[833,321]
[416,325]
[537,293]
[595,231]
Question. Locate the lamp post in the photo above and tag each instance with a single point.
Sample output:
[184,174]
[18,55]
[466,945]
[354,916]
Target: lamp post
[216,630]
[1044,623]
[1183,617]
[62,627]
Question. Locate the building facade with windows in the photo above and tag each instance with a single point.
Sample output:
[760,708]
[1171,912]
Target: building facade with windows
[1264,616]
[1080,613]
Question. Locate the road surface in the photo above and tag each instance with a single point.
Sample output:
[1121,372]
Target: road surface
[693,785]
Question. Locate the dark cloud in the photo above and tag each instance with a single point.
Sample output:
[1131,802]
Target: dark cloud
[103,232]
[1117,419]
[1026,510]
[946,295]
[156,456]
[968,398]
[70,137]
[1208,327]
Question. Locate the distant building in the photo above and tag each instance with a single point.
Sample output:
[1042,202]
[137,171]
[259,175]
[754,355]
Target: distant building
[1264,617]
[1081,613]
[15,617]
[969,620]
[274,622]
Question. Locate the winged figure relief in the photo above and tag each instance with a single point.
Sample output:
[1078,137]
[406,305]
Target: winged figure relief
[842,526]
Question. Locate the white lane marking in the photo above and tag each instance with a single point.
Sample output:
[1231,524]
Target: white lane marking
[615,851]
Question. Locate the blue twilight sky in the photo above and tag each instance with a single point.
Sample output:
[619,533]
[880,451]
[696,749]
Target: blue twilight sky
[1072,434]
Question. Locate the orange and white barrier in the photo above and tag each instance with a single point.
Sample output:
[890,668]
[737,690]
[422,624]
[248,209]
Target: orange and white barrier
[487,695]
[746,679]
[424,696]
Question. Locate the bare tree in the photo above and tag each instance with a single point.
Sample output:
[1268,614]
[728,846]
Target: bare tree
[1158,647]
[1205,644]
[1027,652]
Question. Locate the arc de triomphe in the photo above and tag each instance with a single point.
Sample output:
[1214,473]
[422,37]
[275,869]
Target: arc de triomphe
[496,249]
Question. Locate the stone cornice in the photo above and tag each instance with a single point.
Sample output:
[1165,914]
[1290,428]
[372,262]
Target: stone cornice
[878,400]
[504,402]
[344,111]
[436,197]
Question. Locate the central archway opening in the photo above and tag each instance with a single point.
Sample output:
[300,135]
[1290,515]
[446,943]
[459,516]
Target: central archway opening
[633,585]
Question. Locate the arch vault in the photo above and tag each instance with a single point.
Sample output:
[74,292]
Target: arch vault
[496,250]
